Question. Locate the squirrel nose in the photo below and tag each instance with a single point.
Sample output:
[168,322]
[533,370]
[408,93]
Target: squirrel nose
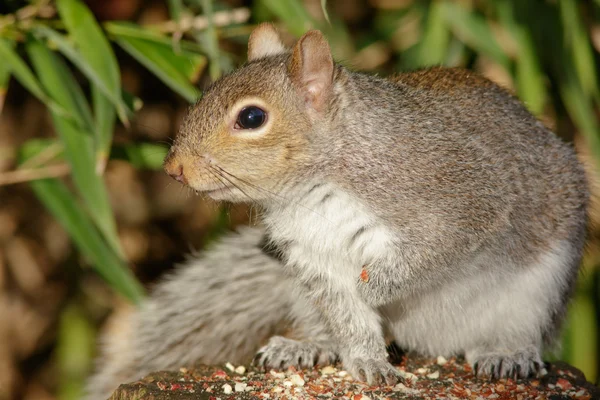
[175,171]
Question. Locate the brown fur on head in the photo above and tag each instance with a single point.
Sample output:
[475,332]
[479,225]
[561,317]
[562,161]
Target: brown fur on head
[212,154]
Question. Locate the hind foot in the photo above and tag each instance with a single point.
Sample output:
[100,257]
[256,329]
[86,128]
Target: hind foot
[281,353]
[523,363]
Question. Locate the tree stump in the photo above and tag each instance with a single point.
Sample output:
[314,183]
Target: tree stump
[423,378]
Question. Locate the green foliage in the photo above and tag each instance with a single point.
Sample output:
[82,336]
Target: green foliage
[542,48]
[177,70]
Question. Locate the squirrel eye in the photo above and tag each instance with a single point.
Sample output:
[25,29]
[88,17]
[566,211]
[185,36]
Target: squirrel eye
[250,117]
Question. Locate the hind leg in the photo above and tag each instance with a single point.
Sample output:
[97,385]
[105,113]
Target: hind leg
[499,319]
[497,364]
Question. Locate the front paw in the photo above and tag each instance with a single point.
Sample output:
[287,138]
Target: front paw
[281,353]
[374,372]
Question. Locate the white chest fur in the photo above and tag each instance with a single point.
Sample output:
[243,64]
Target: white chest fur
[329,234]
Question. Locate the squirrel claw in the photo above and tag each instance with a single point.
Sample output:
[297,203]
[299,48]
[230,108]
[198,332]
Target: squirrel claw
[519,365]
[374,372]
[281,353]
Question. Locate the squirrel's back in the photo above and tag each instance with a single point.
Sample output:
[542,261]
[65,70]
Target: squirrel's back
[455,144]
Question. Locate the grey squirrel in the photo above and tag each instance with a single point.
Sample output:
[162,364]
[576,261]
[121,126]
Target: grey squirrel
[431,206]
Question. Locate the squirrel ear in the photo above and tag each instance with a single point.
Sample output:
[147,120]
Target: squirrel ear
[311,69]
[264,41]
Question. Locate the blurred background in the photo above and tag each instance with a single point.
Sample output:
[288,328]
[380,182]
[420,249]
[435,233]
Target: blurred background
[92,93]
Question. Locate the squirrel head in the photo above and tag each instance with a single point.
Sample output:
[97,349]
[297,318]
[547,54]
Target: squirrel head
[251,131]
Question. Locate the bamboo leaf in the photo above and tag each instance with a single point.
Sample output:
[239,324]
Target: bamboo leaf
[212,41]
[531,86]
[175,8]
[530,80]
[475,32]
[59,83]
[582,334]
[175,70]
[74,351]
[68,49]
[324,9]
[78,142]
[292,13]
[118,29]
[582,112]
[104,124]
[104,111]
[577,40]
[434,45]
[21,71]
[133,103]
[61,203]
[84,31]
[142,155]
[4,79]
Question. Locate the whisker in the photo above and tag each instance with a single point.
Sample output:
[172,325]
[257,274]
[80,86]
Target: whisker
[214,175]
[251,184]
[283,198]
[234,185]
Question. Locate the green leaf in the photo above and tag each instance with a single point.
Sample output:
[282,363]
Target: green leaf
[117,29]
[104,118]
[475,32]
[59,83]
[61,203]
[292,13]
[142,155]
[74,351]
[175,7]
[212,41]
[582,335]
[581,111]
[530,78]
[133,103]
[21,71]
[68,49]
[324,9]
[95,49]
[434,45]
[577,40]
[4,77]
[175,70]
[77,140]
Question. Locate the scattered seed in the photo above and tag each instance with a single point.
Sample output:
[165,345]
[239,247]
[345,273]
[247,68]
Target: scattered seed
[227,389]
[297,380]
[240,370]
[328,370]
[434,375]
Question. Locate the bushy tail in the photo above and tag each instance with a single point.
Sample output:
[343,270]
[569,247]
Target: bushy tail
[216,308]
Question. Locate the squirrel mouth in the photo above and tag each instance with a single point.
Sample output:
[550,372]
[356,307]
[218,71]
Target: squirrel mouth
[213,191]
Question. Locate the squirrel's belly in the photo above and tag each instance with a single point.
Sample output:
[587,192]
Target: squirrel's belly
[511,309]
